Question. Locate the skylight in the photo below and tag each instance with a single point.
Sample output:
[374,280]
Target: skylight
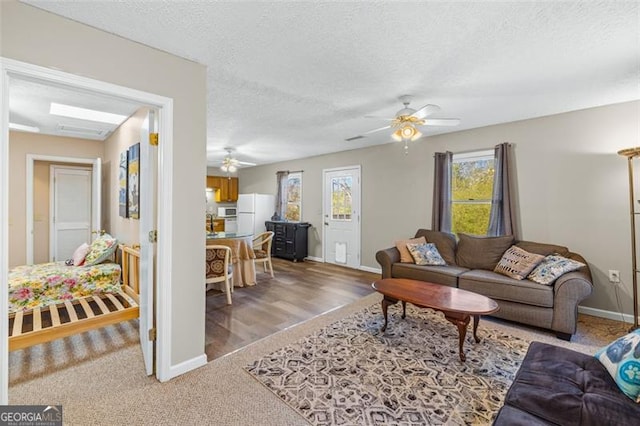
[86,114]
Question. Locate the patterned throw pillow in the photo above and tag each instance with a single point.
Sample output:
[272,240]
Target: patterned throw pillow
[426,254]
[517,263]
[622,360]
[405,256]
[552,267]
[102,248]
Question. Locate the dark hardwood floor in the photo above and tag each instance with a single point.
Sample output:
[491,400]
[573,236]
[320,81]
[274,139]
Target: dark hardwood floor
[299,292]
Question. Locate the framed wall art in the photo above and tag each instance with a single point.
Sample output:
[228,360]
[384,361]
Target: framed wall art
[123,175]
[133,183]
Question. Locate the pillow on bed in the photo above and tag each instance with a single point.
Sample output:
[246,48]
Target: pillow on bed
[102,248]
[80,254]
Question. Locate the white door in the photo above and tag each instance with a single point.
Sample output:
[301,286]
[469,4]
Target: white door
[342,216]
[148,214]
[71,212]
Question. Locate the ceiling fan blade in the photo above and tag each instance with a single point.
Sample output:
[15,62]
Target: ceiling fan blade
[377,117]
[426,111]
[377,130]
[442,122]
[245,163]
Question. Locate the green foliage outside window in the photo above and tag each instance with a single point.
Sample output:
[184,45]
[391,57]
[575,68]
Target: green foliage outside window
[294,198]
[341,202]
[472,188]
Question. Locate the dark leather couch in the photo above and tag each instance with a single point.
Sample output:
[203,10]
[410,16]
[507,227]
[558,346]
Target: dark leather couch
[558,386]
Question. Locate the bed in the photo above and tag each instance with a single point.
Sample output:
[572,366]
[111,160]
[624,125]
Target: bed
[52,300]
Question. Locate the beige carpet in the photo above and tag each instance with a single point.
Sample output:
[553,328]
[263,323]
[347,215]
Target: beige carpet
[98,378]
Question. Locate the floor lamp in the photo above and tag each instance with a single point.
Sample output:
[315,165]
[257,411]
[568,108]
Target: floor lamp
[631,153]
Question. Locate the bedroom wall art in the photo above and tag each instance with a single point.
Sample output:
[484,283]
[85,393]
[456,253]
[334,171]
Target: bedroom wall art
[133,184]
[123,175]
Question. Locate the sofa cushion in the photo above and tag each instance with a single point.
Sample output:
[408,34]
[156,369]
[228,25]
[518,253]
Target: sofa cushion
[445,275]
[565,387]
[426,254]
[543,249]
[499,287]
[445,243]
[552,267]
[621,358]
[517,263]
[405,254]
[475,252]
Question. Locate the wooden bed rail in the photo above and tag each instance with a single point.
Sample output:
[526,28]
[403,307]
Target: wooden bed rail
[131,271]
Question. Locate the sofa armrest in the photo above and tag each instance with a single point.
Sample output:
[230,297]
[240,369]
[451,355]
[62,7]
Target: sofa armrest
[569,290]
[386,258]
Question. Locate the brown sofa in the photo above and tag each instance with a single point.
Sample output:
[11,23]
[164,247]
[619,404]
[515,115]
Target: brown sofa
[470,264]
[559,386]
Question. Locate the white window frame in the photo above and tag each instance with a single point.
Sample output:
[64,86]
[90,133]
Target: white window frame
[299,176]
[465,157]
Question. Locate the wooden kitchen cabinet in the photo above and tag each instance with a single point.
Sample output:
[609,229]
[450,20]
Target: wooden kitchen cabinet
[218,225]
[226,189]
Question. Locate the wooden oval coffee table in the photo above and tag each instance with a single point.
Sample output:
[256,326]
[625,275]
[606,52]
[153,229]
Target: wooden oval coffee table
[457,305]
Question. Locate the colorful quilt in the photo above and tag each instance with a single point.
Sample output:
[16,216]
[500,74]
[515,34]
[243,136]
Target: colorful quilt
[46,284]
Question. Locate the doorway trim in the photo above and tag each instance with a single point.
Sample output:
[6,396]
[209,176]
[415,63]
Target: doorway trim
[10,68]
[96,192]
[325,210]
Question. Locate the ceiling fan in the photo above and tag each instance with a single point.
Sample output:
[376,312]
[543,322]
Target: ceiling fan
[407,121]
[230,164]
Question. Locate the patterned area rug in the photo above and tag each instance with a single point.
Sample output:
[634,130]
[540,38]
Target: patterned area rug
[350,373]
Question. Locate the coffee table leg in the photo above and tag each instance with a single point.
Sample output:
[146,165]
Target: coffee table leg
[462,323]
[385,304]
[476,321]
[404,309]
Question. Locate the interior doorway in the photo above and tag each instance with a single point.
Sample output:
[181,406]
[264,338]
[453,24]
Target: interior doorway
[15,70]
[70,196]
[341,216]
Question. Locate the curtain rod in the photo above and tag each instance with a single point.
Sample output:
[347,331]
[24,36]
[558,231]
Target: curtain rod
[290,171]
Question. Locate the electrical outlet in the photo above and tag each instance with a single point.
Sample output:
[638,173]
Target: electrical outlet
[614,276]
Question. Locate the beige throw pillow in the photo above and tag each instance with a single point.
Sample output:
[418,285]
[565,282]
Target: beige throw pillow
[405,254]
[517,263]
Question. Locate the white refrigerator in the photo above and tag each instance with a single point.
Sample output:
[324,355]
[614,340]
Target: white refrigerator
[253,211]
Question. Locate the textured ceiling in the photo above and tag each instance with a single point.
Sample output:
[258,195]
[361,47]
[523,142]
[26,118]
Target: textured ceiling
[294,79]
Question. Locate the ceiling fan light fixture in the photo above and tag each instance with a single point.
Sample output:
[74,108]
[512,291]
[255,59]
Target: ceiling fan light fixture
[397,135]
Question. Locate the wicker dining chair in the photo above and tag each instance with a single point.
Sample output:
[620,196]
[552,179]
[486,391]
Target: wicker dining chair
[219,268]
[262,249]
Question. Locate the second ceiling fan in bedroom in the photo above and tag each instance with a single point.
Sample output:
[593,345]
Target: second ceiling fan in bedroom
[408,120]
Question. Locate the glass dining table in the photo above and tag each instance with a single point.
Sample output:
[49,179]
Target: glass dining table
[242,255]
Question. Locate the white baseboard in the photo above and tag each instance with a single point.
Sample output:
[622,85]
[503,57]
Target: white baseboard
[315,259]
[370,269]
[605,314]
[186,366]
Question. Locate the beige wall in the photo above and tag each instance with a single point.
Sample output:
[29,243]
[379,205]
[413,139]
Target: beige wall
[573,187]
[21,144]
[126,230]
[42,38]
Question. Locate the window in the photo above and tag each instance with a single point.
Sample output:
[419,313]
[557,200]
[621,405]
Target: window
[471,191]
[341,205]
[294,197]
